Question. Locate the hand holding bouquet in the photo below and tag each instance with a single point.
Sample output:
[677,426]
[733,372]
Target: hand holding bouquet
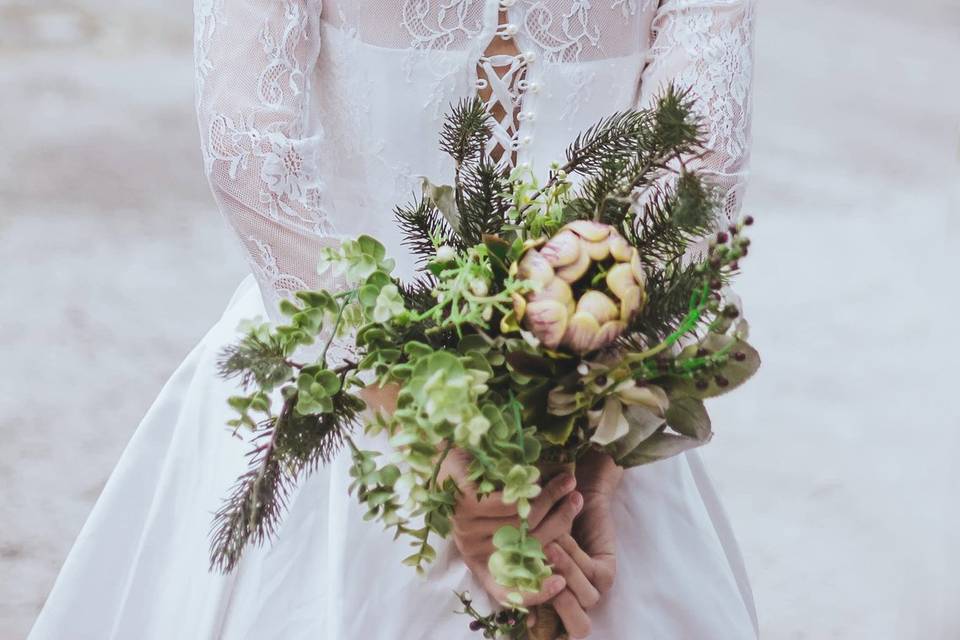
[549,322]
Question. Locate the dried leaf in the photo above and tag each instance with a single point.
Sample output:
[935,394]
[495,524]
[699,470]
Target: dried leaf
[659,446]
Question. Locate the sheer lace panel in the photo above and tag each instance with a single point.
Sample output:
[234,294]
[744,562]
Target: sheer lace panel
[254,62]
[708,46]
[563,30]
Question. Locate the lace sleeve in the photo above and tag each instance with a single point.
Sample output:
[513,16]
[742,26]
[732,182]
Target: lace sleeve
[708,45]
[254,65]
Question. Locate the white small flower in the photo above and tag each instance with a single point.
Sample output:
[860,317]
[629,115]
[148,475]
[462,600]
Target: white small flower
[479,287]
[446,253]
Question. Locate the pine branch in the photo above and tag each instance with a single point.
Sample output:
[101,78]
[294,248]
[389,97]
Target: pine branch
[482,209]
[287,447]
[624,152]
[675,124]
[673,217]
[465,132]
[616,136]
[422,224]
[600,196]
[669,289]
[253,509]
[255,359]
[418,293]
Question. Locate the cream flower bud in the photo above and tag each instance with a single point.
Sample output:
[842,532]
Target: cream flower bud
[479,287]
[446,253]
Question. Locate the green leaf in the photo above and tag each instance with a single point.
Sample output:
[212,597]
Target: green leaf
[473,342]
[444,198]
[329,381]
[735,372]
[643,424]
[499,250]
[557,429]
[659,446]
[371,246]
[530,364]
[506,536]
[416,349]
[689,417]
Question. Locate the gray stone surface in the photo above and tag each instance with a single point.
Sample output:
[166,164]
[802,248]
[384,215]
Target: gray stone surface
[837,464]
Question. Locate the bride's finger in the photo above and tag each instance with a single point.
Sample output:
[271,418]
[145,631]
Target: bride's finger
[577,582]
[551,587]
[599,570]
[560,520]
[577,554]
[554,491]
[575,619]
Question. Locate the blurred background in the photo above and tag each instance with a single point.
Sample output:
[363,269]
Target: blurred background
[838,464]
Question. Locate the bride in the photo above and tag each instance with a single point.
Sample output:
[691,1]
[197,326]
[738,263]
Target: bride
[314,116]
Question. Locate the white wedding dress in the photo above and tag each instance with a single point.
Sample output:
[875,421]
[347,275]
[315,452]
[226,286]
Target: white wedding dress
[316,119]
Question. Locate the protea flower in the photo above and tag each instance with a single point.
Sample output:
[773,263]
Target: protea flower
[594,260]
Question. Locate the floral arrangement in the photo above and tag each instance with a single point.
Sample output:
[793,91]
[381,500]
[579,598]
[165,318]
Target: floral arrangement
[592,311]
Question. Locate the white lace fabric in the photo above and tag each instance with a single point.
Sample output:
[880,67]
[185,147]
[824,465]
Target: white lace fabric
[315,116]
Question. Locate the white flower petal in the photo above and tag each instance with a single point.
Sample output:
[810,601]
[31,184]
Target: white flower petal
[613,424]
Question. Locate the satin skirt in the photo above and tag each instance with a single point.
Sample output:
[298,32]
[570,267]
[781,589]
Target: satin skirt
[139,568]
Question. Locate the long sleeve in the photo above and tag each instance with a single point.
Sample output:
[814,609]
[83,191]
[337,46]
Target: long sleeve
[707,45]
[254,67]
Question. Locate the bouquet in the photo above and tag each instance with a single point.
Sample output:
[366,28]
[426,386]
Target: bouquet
[591,311]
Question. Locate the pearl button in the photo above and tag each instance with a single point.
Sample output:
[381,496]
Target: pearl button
[529,116]
[510,29]
[529,56]
[507,3]
[526,140]
[534,87]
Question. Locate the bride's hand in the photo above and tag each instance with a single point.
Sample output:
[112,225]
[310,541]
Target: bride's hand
[476,520]
[587,559]
[599,478]
[380,399]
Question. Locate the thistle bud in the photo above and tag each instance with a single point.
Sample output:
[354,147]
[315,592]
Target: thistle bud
[570,258]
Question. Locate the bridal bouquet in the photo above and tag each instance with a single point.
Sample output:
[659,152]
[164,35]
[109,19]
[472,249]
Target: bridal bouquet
[547,320]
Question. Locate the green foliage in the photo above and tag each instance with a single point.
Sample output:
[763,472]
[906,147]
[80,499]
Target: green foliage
[669,291]
[518,562]
[465,131]
[258,359]
[286,446]
[480,204]
[471,378]
[424,228]
[615,139]
[673,217]
[316,389]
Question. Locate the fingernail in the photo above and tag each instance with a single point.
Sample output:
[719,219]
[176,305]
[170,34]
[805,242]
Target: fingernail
[555,584]
[569,483]
[577,500]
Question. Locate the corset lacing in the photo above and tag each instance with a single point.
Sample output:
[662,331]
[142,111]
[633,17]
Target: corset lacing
[501,84]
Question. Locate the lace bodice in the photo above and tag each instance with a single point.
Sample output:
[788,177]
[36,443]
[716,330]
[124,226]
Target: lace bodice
[318,116]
